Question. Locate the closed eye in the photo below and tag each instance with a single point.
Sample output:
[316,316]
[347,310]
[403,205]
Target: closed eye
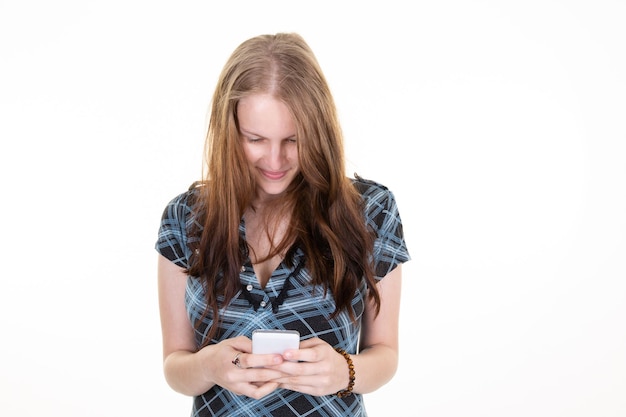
[253,139]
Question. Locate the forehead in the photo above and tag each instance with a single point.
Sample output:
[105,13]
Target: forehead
[264,114]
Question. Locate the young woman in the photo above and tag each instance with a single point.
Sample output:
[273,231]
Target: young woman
[276,236]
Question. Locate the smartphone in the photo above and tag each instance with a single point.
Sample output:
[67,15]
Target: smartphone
[274,340]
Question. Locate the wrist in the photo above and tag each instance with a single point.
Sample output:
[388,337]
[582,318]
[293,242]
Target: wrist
[351,375]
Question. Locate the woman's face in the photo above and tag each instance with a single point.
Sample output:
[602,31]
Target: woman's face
[268,133]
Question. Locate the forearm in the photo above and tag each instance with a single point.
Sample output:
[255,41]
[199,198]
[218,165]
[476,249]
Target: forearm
[374,367]
[187,372]
[377,362]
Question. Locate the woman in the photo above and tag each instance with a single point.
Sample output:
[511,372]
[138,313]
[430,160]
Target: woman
[276,236]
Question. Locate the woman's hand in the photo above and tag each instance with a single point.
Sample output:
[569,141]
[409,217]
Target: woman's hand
[320,370]
[192,372]
[316,369]
[231,365]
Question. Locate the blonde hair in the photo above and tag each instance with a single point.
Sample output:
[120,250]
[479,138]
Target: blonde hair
[325,211]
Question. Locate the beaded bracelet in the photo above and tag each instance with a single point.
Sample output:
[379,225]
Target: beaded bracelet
[348,391]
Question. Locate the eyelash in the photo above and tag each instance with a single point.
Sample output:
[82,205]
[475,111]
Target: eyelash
[255,140]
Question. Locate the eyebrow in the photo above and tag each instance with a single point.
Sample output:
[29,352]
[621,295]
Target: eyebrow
[247,132]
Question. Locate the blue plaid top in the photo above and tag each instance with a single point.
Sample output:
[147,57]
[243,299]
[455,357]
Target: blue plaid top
[301,306]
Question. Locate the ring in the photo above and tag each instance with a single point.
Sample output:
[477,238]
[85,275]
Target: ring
[236,361]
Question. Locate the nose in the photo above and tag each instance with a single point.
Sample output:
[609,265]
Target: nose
[276,156]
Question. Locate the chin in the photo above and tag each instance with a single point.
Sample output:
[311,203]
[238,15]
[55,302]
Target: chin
[272,191]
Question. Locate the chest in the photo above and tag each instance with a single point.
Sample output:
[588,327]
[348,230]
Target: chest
[263,270]
[303,307]
[264,246]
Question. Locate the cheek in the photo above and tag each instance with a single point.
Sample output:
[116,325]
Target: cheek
[292,154]
[250,153]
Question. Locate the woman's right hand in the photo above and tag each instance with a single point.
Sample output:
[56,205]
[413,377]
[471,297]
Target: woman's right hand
[192,372]
[231,365]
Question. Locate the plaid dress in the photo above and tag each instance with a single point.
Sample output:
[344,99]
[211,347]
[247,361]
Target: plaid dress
[288,301]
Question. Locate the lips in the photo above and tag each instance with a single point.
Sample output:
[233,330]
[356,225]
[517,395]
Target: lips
[274,175]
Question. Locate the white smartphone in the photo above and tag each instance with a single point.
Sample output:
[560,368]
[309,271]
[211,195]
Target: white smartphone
[274,340]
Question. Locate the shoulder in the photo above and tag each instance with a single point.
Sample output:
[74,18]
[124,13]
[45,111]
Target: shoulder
[190,196]
[367,187]
[379,203]
[383,217]
[182,205]
[176,221]
[374,194]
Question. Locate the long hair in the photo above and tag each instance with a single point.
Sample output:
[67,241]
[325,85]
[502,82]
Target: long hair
[324,208]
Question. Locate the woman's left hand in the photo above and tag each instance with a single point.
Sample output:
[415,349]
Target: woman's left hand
[317,369]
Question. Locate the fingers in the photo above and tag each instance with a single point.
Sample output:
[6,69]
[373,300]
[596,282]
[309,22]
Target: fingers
[237,361]
[258,390]
[249,360]
[242,372]
[311,350]
[318,384]
[251,382]
[256,383]
[315,369]
[240,343]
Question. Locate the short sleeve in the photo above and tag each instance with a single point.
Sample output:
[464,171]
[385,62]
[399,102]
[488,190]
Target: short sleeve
[172,237]
[383,216]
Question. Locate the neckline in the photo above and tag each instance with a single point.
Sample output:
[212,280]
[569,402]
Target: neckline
[255,300]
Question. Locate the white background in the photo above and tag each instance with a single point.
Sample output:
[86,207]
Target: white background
[499,125]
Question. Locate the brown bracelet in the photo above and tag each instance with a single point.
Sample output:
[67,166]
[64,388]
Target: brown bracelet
[348,391]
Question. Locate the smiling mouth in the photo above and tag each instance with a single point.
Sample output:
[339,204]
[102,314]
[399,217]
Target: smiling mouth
[274,175]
